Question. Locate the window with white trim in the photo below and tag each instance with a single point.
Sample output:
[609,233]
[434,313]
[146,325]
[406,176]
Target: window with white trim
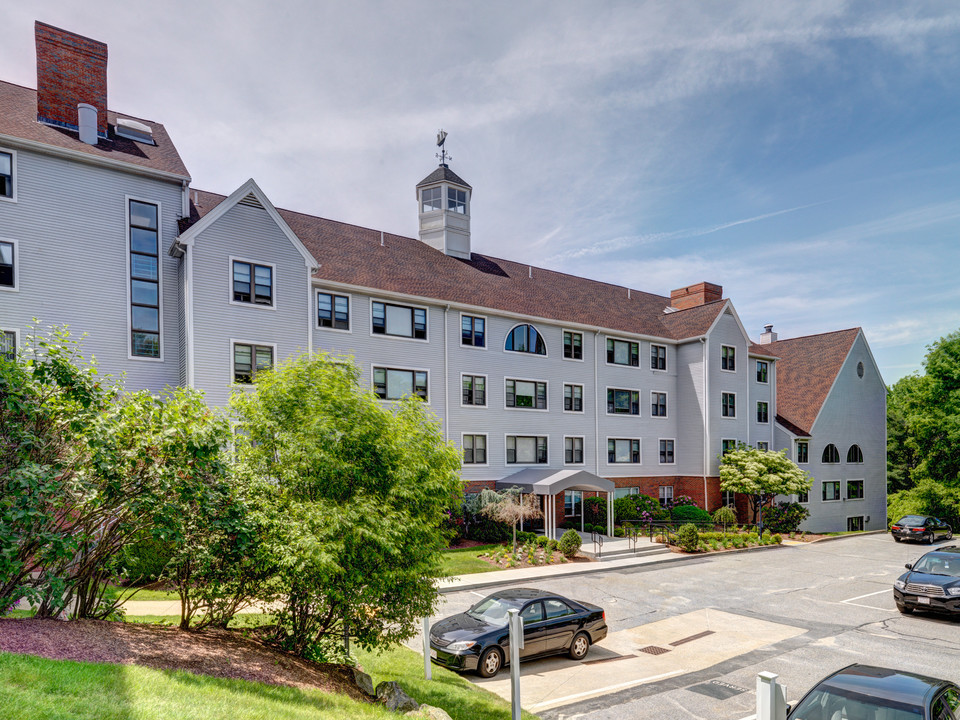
[572,502]
[333,311]
[666,452]
[474,449]
[473,331]
[830,490]
[830,455]
[8,270]
[855,524]
[399,320]
[658,357]
[623,352]
[431,199]
[728,498]
[457,200]
[572,345]
[765,446]
[525,339]
[573,450]
[658,404]
[623,450]
[854,454]
[252,283]
[728,405]
[762,371]
[728,358]
[623,402]
[803,451]
[248,360]
[6,174]
[727,446]
[526,450]
[395,383]
[854,489]
[526,394]
[573,398]
[625,492]
[474,390]
[803,497]
[144,279]
[8,345]
[666,495]
[763,412]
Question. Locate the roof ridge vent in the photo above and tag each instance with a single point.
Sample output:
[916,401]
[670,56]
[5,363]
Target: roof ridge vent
[251,201]
[133,130]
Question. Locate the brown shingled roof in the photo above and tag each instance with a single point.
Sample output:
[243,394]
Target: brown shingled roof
[18,118]
[353,255]
[806,369]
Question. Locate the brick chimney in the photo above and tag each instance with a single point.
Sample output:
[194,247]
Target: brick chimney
[694,295]
[71,70]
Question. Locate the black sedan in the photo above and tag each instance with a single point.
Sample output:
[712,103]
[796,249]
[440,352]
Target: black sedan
[478,639]
[931,583]
[862,691]
[923,528]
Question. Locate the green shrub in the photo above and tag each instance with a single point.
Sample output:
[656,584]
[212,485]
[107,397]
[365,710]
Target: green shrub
[542,541]
[618,531]
[766,534]
[725,515]
[552,545]
[690,514]
[524,537]
[144,561]
[784,517]
[570,543]
[638,508]
[778,538]
[568,525]
[595,510]
[688,537]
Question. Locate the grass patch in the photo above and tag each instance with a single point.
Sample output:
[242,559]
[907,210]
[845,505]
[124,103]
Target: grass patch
[238,622]
[41,689]
[448,690]
[19,614]
[113,592]
[464,561]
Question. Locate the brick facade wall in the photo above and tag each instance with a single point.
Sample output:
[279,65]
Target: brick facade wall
[71,69]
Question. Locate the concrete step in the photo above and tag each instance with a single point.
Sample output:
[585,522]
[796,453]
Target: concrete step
[619,553]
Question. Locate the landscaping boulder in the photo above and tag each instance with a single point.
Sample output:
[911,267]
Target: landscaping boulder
[364,682]
[429,712]
[394,698]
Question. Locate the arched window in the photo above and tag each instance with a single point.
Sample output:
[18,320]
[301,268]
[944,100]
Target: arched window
[831,454]
[854,454]
[525,338]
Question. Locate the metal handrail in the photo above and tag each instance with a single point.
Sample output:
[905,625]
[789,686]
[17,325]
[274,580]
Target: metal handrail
[597,543]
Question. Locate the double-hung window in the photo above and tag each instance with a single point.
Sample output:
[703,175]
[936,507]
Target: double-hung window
[573,398]
[762,371]
[763,412]
[830,490]
[333,311]
[8,345]
[728,358]
[474,449]
[526,450]
[761,445]
[8,271]
[252,283]
[573,450]
[572,502]
[572,345]
[399,321]
[623,352]
[803,451]
[473,331]
[248,360]
[727,446]
[658,404]
[6,175]
[623,402]
[394,383]
[144,279]
[623,450]
[728,405]
[474,390]
[666,495]
[666,452]
[526,394]
[658,357]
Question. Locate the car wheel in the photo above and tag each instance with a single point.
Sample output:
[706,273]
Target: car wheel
[896,539]
[579,646]
[949,534]
[904,609]
[490,662]
[929,538]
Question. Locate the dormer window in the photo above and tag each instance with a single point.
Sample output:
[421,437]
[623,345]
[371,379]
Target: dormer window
[456,200]
[526,339]
[431,200]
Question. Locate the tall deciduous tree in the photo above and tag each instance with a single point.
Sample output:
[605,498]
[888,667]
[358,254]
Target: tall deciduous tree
[352,493]
[761,475]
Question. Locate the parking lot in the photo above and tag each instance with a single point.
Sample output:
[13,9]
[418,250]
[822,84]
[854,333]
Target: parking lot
[687,639]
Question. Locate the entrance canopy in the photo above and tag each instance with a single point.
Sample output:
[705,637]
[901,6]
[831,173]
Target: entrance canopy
[550,483]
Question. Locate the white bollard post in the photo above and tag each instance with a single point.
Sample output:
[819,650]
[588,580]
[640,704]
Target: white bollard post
[771,698]
[427,667]
[516,644]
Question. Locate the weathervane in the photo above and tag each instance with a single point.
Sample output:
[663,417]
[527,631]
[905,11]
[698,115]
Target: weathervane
[441,139]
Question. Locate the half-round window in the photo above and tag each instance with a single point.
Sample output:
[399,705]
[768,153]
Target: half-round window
[831,454]
[854,454]
[526,339]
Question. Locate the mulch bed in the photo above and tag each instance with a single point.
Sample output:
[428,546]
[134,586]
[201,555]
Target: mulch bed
[219,653]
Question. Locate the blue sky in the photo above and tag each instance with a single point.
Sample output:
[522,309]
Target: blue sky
[804,155]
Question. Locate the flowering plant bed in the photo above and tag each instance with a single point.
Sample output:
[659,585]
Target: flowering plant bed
[531,554]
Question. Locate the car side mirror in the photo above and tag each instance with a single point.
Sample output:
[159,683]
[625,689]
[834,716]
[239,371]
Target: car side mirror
[909,566]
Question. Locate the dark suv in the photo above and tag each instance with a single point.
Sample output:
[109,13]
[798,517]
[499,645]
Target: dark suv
[920,527]
[931,583]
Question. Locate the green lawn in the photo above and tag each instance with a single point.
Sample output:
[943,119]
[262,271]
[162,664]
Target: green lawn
[464,561]
[113,592]
[239,621]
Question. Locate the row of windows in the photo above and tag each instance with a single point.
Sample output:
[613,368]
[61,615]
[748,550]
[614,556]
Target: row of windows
[728,408]
[831,455]
[573,499]
[532,395]
[432,199]
[532,450]
[830,491]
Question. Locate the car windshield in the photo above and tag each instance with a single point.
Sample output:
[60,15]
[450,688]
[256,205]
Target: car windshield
[836,704]
[938,565]
[492,610]
[911,521]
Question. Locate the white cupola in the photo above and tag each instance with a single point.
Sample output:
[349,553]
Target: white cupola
[444,201]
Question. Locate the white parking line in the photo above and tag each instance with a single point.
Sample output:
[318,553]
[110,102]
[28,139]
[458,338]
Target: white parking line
[603,690]
[474,592]
[860,597]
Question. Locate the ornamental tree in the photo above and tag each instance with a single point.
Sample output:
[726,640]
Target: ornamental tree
[761,475]
[511,507]
[351,493]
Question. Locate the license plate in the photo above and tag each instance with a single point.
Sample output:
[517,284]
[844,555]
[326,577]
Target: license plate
[923,601]
[433,653]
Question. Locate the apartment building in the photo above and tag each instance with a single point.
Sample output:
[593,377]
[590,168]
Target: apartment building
[581,385]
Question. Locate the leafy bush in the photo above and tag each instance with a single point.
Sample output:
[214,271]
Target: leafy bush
[688,537]
[683,501]
[570,543]
[784,517]
[690,514]
[778,538]
[595,509]
[642,508]
[725,515]
[568,525]
[144,561]
[524,537]
[542,541]
[552,545]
